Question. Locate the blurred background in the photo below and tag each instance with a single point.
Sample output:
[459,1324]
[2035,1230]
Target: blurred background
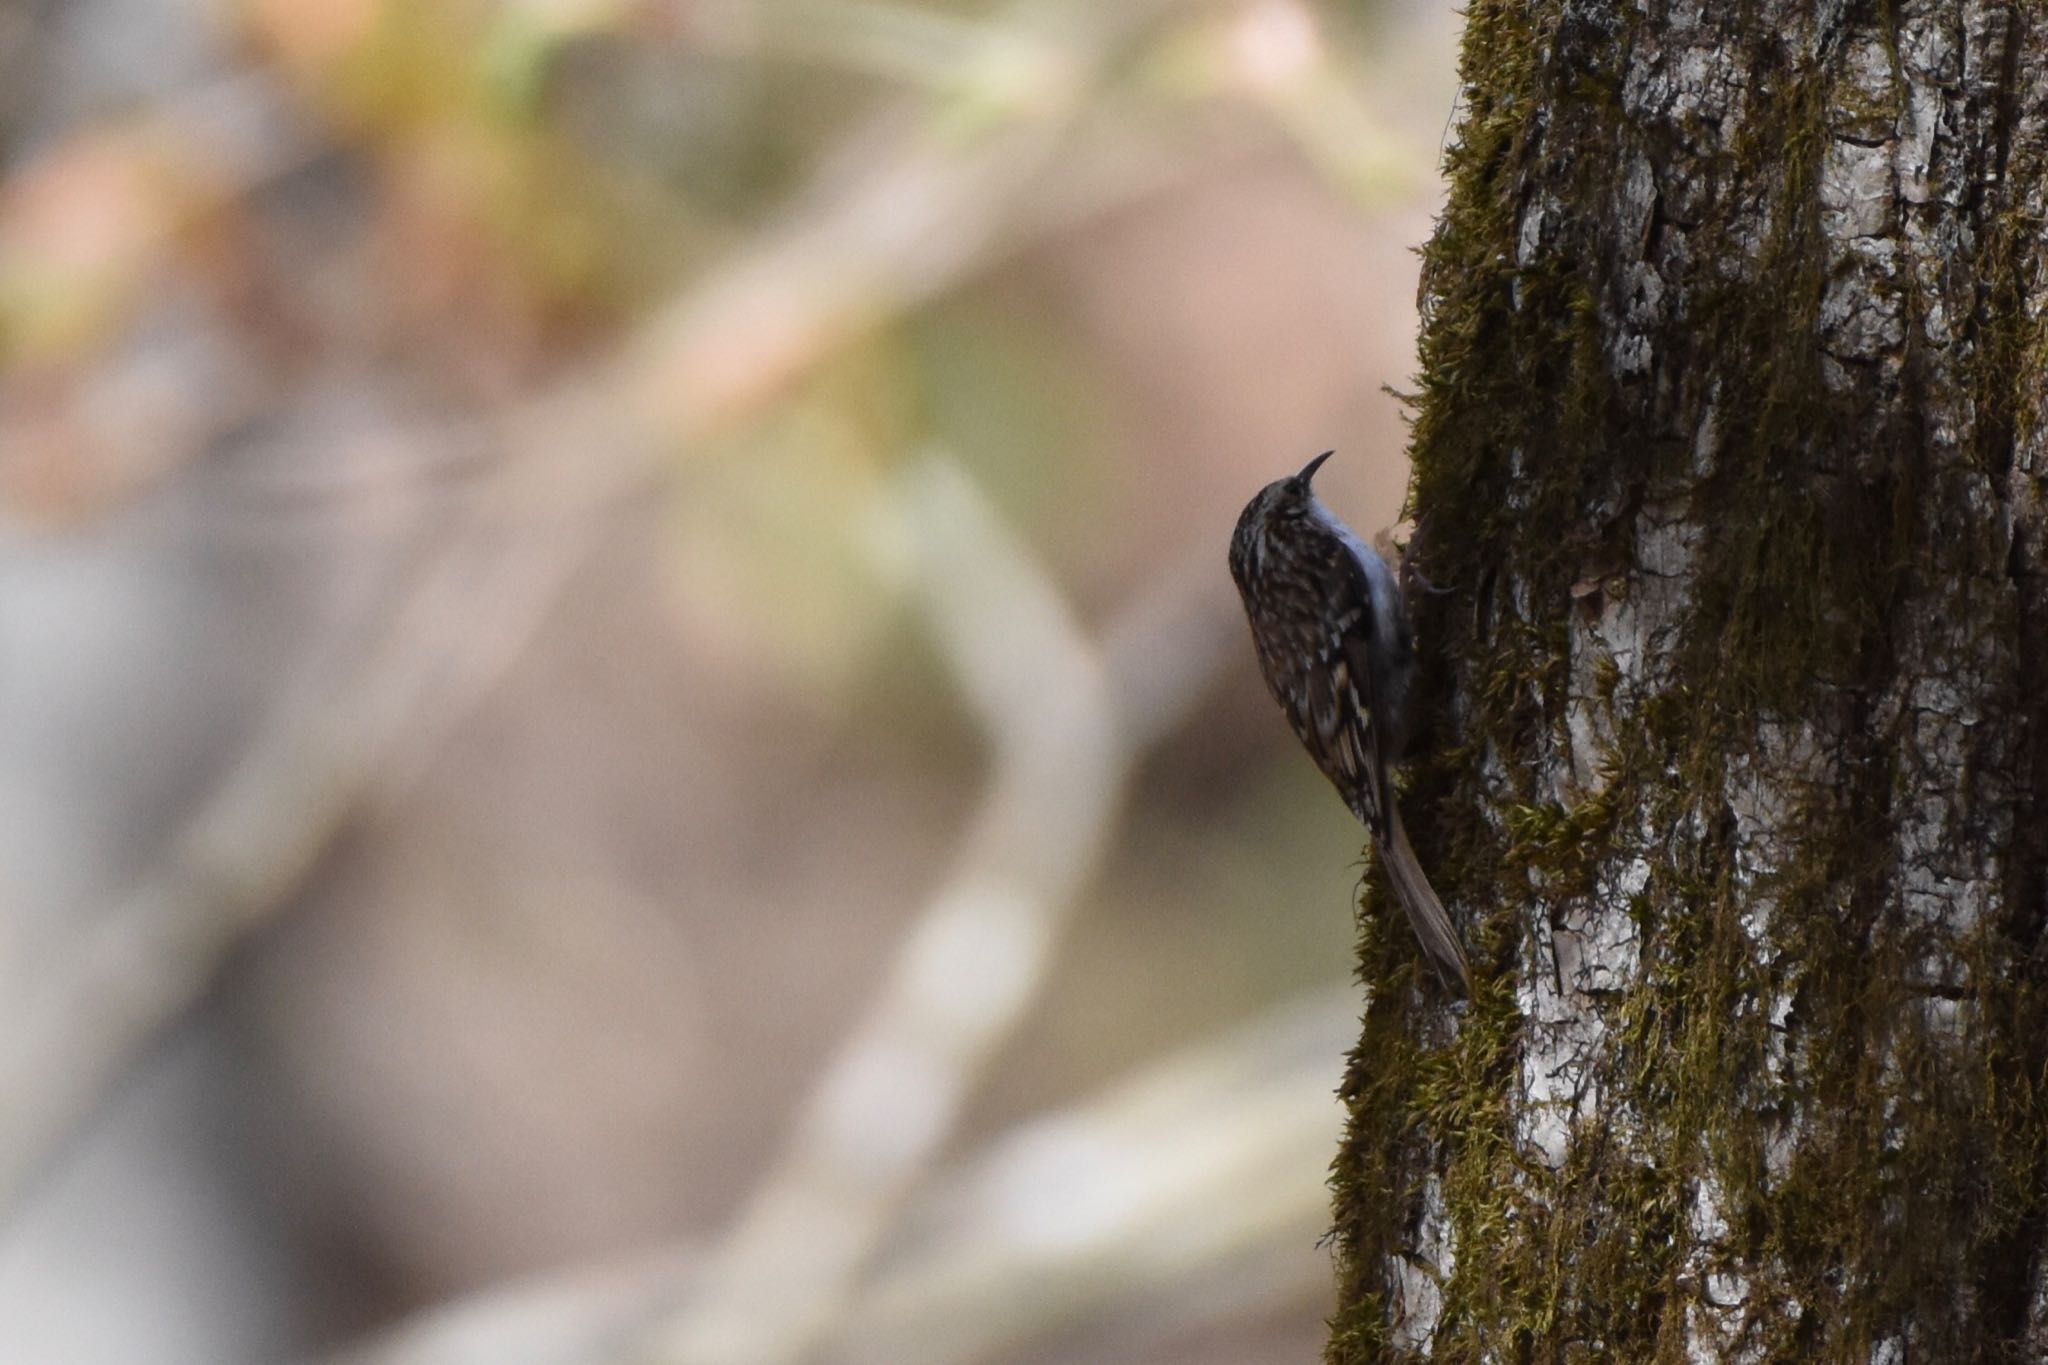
[623,732]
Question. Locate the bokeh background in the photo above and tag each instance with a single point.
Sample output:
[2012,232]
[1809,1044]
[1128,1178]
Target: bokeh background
[623,733]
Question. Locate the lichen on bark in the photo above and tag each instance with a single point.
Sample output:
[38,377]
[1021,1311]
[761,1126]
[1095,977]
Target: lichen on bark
[1730,453]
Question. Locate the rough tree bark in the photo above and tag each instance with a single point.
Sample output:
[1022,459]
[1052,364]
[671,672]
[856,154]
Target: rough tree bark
[1731,459]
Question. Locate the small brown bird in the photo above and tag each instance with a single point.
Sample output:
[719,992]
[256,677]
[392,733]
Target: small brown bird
[1333,639]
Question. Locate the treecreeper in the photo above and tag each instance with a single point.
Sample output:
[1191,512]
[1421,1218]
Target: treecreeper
[1331,629]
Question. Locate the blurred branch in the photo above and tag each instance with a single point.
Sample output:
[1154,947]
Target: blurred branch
[1275,53]
[969,966]
[1165,649]
[916,44]
[940,186]
[588,1316]
[465,615]
[1202,1171]
[957,179]
[1065,721]
[844,258]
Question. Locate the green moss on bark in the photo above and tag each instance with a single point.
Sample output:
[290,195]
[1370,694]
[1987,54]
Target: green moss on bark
[1870,1188]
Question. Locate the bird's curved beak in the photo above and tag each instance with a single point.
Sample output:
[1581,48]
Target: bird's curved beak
[1308,471]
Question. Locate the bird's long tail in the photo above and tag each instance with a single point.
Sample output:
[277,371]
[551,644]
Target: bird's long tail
[1432,924]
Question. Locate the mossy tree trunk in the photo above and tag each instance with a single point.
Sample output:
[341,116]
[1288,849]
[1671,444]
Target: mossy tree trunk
[1731,465]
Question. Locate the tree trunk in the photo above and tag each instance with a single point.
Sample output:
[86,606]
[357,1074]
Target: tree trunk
[1732,474]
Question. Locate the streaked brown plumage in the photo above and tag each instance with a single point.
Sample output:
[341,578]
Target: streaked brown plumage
[1333,641]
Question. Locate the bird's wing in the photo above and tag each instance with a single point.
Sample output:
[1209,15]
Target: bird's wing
[1364,754]
[1329,701]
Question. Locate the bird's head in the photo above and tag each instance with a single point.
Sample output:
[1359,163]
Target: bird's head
[1281,501]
